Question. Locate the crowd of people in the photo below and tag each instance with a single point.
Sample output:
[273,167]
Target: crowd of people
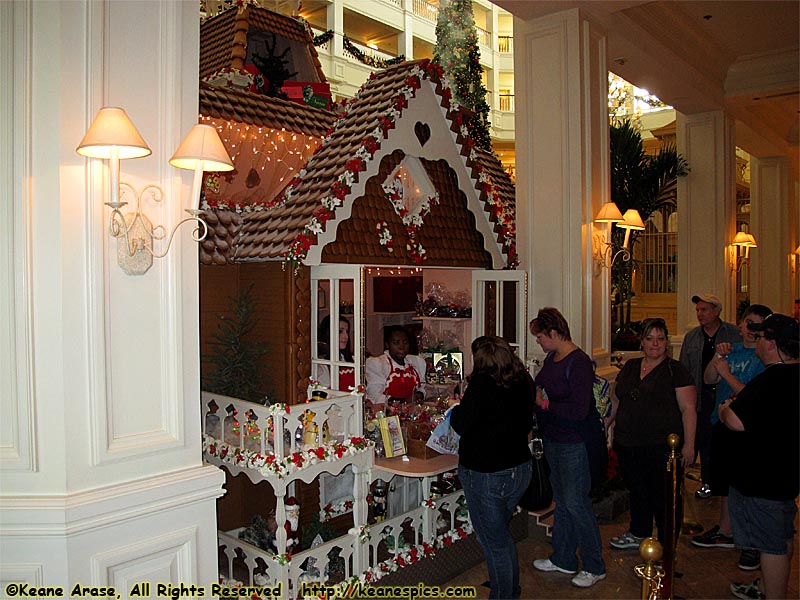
[732,398]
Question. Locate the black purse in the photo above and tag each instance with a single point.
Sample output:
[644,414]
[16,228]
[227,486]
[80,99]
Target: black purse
[539,494]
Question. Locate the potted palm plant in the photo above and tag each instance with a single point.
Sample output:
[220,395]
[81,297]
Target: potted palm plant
[647,183]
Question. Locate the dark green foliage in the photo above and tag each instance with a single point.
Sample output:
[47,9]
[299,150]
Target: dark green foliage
[457,52]
[273,68]
[316,528]
[646,183]
[236,357]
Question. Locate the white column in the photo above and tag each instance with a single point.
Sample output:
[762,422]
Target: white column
[102,478]
[706,213]
[770,218]
[562,142]
[335,21]
[405,39]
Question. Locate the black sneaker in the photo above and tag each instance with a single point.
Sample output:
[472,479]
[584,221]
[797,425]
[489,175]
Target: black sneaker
[704,492]
[750,560]
[748,591]
[713,539]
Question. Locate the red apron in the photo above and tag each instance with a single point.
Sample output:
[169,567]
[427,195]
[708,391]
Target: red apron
[347,378]
[402,382]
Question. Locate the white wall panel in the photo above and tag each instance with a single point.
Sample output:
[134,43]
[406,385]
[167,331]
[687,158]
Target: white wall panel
[99,369]
[17,447]
[11,572]
[166,558]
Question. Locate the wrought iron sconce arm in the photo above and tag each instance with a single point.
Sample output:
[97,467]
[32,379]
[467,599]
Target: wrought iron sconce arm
[113,136]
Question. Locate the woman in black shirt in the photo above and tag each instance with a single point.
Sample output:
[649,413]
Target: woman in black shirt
[494,461]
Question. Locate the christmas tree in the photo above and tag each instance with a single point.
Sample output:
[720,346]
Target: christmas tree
[235,356]
[457,52]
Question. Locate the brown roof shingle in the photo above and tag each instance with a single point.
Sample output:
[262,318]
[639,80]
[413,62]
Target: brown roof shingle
[270,234]
[223,38]
[256,109]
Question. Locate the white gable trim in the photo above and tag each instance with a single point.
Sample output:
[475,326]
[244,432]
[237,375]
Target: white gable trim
[425,107]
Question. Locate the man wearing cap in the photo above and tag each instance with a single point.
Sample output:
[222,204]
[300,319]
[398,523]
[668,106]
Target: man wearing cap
[698,348]
[765,478]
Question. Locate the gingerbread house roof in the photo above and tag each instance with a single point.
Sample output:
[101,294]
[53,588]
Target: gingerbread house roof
[338,211]
[224,38]
[255,109]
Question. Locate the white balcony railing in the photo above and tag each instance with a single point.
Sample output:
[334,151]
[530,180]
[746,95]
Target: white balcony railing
[426,10]
[368,51]
[484,37]
[505,44]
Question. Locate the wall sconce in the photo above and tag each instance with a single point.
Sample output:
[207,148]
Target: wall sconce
[794,258]
[740,248]
[112,136]
[601,244]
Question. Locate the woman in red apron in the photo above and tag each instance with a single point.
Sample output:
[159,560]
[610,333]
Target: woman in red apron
[396,376]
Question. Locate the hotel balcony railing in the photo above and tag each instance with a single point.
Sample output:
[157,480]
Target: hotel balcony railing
[426,10]
[505,43]
[506,102]
[484,37]
[369,51]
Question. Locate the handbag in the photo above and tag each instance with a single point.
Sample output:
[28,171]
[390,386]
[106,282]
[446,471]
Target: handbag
[444,438]
[593,433]
[539,494]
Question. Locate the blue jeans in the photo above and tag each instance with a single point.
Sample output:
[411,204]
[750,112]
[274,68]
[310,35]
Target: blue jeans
[574,525]
[491,499]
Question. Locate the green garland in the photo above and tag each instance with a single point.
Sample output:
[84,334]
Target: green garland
[371,61]
[323,38]
[378,63]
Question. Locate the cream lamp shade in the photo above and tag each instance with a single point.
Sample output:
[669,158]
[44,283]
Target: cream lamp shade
[202,148]
[113,132]
[751,241]
[609,213]
[631,220]
[740,239]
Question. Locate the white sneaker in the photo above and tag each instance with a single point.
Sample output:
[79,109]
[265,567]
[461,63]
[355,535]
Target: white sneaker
[585,579]
[544,564]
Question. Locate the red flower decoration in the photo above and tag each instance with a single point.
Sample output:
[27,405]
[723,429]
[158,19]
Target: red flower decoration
[355,165]
[413,83]
[341,189]
[370,144]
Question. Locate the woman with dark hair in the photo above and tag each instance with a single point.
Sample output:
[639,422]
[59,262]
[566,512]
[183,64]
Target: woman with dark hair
[564,403]
[395,376]
[347,375]
[493,419]
[654,397]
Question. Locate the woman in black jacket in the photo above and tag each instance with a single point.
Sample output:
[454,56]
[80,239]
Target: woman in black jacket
[494,461]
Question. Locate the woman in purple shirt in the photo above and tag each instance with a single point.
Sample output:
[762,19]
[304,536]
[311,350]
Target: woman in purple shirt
[563,399]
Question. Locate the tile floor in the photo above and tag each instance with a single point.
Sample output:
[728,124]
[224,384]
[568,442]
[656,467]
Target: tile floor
[707,572]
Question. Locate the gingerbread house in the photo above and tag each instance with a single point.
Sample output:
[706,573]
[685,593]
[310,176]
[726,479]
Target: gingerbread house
[355,220]
[395,187]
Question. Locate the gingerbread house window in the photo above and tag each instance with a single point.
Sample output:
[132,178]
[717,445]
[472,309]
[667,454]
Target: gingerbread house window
[412,184]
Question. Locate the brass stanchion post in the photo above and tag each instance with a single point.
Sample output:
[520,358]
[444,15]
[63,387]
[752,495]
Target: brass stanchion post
[650,574]
[670,514]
